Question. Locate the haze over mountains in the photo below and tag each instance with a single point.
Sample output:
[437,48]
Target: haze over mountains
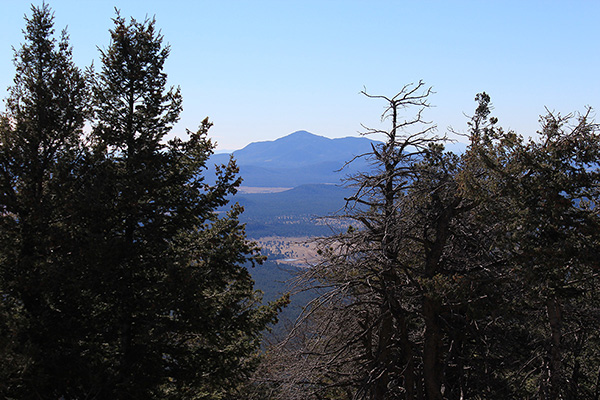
[287,185]
[307,171]
[290,181]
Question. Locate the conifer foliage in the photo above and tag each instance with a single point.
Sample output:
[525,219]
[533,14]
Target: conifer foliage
[39,146]
[118,277]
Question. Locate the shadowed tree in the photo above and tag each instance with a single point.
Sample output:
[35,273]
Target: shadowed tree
[470,276]
[544,195]
[119,278]
[40,147]
[401,288]
[184,319]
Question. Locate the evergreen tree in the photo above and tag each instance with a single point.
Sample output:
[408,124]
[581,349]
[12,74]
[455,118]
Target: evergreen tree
[544,195]
[182,315]
[471,276]
[119,276]
[39,148]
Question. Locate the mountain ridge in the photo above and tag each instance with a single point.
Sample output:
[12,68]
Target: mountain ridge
[297,159]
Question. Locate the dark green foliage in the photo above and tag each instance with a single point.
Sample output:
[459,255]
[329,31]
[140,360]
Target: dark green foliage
[119,279]
[183,313]
[40,146]
[545,206]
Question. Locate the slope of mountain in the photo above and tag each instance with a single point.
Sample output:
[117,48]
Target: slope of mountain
[309,200]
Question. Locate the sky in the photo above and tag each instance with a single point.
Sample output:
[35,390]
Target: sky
[263,69]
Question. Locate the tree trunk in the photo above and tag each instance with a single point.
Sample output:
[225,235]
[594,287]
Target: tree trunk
[432,350]
[573,393]
[555,366]
[408,360]
[381,365]
[597,391]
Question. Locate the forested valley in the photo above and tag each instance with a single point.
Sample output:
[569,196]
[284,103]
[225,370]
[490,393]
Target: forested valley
[124,262]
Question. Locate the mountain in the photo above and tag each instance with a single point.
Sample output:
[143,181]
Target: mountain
[314,200]
[303,158]
[301,149]
[297,159]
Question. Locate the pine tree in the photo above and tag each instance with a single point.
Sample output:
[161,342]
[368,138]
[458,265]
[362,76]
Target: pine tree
[405,281]
[39,147]
[184,320]
[471,276]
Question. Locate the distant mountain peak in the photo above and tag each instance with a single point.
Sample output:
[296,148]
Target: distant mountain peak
[301,136]
[301,133]
[300,157]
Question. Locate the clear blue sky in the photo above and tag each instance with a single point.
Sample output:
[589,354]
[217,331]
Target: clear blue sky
[263,69]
